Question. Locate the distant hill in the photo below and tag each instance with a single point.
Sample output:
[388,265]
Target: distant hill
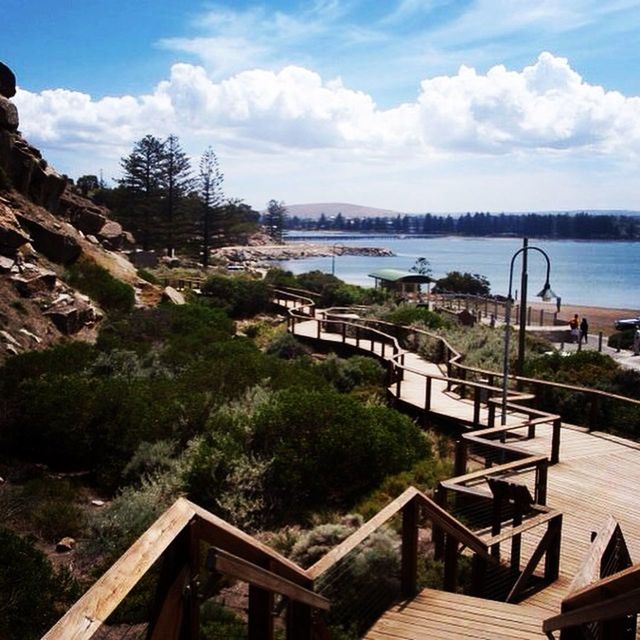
[330,209]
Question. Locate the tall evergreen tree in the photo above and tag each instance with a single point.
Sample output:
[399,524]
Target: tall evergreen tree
[176,182]
[210,180]
[276,213]
[142,179]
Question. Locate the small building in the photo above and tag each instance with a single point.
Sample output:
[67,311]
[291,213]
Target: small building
[404,284]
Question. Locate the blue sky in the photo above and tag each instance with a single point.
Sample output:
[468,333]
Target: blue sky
[413,105]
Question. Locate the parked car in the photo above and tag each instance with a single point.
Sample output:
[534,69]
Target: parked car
[627,323]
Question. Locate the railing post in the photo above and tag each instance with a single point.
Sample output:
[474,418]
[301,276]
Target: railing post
[555,441]
[357,336]
[542,317]
[177,617]
[478,575]
[437,533]
[600,342]
[460,463]
[450,563]
[552,558]
[427,394]
[541,482]
[491,420]
[463,388]
[260,618]
[344,332]
[409,568]
[318,328]
[398,382]
[477,395]
[299,623]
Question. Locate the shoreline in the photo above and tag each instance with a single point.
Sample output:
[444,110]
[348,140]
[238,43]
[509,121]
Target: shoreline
[599,318]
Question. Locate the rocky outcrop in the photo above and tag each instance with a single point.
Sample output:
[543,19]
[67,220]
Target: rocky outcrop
[7,82]
[295,251]
[51,239]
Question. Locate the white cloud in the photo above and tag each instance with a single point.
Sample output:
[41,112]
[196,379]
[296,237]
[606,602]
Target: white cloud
[546,110]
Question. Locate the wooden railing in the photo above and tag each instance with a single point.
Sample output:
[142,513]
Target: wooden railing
[604,597]
[176,538]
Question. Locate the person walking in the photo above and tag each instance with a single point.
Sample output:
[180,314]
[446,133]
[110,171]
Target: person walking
[584,330]
[574,326]
[636,341]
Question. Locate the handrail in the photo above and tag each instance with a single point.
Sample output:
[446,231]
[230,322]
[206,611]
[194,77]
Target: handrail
[613,597]
[86,616]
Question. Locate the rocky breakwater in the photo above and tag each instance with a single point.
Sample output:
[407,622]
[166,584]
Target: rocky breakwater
[294,251]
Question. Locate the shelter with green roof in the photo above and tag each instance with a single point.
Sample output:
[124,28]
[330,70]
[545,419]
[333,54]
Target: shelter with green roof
[405,284]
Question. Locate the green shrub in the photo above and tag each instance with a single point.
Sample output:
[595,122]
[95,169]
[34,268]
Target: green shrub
[218,622]
[111,294]
[238,296]
[145,274]
[287,347]
[53,510]
[367,580]
[347,374]
[32,594]
[320,442]
[406,314]
[621,339]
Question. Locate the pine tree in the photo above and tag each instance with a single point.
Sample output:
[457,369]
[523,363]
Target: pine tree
[142,179]
[176,183]
[210,180]
[276,212]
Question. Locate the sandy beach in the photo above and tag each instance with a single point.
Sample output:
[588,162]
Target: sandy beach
[599,318]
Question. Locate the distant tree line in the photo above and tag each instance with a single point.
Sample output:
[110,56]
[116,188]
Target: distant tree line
[170,207]
[536,225]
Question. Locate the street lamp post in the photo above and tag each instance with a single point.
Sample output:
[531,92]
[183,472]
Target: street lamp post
[546,294]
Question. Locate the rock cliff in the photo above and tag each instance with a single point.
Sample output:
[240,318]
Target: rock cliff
[46,226]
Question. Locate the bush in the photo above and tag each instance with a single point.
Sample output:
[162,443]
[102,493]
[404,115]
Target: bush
[145,274]
[368,578]
[287,347]
[406,314]
[467,283]
[109,292]
[53,512]
[184,332]
[347,374]
[321,441]
[238,296]
[621,339]
[30,590]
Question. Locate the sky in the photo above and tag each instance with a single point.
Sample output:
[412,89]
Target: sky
[410,105]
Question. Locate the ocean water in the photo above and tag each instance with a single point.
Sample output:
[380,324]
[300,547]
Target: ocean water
[605,274]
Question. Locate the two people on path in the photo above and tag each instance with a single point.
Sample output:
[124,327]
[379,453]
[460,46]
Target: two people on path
[579,330]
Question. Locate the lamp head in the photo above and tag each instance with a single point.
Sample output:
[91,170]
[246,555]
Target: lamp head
[547,294]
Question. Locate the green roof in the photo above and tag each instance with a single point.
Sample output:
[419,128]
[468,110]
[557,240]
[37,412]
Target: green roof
[398,275]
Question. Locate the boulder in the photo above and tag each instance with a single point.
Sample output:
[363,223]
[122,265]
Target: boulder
[66,544]
[69,315]
[12,235]
[9,119]
[5,264]
[7,81]
[89,220]
[55,244]
[110,235]
[32,284]
[173,296]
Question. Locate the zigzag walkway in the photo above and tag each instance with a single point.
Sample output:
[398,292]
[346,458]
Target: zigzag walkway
[597,476]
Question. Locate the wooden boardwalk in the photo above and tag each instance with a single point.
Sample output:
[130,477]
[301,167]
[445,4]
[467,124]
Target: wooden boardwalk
[452,616]
[598,475]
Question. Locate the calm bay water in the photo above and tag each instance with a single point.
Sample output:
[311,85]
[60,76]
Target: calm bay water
[605,274]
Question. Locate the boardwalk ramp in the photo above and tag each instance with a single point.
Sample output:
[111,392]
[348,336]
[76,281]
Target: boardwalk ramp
[435,615]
